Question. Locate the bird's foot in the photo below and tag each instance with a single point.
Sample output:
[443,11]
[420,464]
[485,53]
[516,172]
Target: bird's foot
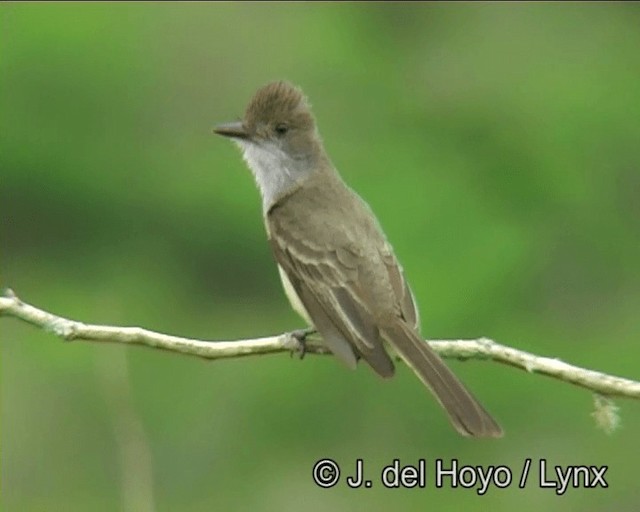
[300,335]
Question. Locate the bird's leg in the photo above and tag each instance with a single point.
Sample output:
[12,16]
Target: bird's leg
[300,335]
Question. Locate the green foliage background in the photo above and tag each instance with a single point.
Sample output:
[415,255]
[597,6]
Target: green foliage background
[499,145]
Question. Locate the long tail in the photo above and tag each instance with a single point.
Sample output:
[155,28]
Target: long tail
[466,414]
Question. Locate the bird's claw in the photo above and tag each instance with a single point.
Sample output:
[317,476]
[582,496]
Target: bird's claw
[300,335]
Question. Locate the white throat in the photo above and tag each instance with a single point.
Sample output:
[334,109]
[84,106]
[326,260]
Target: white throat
[275,172]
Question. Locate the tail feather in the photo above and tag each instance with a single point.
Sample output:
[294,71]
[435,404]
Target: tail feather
[465,412]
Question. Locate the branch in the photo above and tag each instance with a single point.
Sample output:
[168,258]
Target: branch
[483,348]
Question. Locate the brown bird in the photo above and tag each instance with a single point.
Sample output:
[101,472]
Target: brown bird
[337,268]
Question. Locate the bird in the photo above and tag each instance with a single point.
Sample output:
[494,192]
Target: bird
[337,268]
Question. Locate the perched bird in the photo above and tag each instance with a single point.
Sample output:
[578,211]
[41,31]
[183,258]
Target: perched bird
[337,268]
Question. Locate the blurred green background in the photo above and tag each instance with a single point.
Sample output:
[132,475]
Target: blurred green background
[499,145]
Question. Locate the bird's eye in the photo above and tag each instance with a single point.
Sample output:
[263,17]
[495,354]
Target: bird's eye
[281,129]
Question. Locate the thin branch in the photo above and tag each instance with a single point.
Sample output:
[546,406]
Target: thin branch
[483,348]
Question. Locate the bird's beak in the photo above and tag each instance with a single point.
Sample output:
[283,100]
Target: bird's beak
[234,130]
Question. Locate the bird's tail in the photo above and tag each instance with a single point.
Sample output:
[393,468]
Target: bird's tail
[465,412]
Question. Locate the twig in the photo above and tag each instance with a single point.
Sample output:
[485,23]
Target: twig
[483,348]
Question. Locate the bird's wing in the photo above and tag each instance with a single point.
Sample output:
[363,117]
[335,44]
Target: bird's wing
[327,276]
